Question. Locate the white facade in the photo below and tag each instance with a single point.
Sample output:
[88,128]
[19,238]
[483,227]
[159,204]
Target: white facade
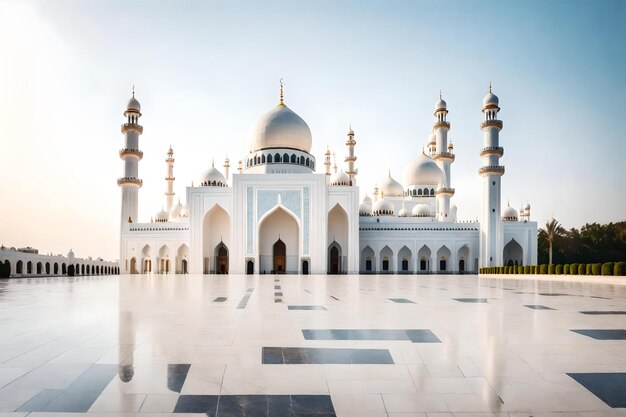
[277,215]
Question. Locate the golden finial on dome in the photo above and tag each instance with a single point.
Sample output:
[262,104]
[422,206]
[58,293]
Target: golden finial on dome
[439,94]
[133,90]
[490,86]
[282,93]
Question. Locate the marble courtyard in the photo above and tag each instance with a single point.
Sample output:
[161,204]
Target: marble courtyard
[317,345]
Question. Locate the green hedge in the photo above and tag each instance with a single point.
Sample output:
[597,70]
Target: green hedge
[588,270]
[619,269]
[607,268]
[559,270]
[543,269]
[596,269]
[527,269]
[551,269]
[566,269]
[581,269]
[573,269]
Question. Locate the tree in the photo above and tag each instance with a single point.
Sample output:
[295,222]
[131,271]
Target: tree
[551,231]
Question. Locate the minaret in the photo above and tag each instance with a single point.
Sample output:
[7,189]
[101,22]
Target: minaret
[444,158]
[491,233]
[130,182]
[350,158]
[169,179]
[327,164]
[334,163]
[226,168]
[239,166]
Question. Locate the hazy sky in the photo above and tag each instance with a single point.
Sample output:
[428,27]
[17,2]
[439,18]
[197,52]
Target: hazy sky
[204,71]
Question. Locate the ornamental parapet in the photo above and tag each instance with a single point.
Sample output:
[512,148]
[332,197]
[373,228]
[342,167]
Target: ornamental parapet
[132,126]
[444,155]
[492,150]
[491,123]
[492,170]
[442,124]
[445,190]
[131,152]
[130,181]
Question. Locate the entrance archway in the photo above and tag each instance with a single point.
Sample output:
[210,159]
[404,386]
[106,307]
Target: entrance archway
[279,225]
[181,257]
[424,256]
[443,256]
[463,257]
[368,258]
[215,230]
[133,265]
[305,267]
[279,251]
[250,267]
[147,259]
[6,269]
[334,258]
[386,260]
[404,260]
[221,259]
[184,266]
[513,254]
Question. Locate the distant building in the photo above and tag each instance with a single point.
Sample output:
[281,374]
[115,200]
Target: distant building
[277,215]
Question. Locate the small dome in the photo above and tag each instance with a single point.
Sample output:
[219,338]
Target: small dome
[350,132]
[450,146]
[441,105]
[509,214]
[133,104]
[365,208]
[391,187]
[383,207]
[280,128]
[490,100]
[422,171]
[212,177]
[421,210]
[161,216]
[367,200]
[339,178]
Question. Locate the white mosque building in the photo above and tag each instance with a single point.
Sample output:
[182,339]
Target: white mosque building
[276,214]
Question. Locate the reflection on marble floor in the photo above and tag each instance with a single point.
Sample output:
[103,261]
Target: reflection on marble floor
[332,345]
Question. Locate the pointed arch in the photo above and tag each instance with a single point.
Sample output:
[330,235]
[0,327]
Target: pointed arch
[386,260]
[334,258]
[463,259]
[146,259]
[338,232]
[513,253]
[279,223]
[215,229]
[405,260]
[443,259]
[164,260]
[182,259]
[368,260]
[221,258]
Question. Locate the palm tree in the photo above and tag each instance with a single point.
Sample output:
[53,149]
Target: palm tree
[551,231]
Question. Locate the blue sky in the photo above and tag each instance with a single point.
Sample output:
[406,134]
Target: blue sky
[204,71]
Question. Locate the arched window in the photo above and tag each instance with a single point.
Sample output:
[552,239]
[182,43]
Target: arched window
[293,158]
[432,191]
[285,158]
[269,158]
[419,192]
[425,191]
[277,158]
[307,162]
[262,159]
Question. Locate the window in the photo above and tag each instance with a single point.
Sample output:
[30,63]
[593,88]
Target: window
[262,159]
[432,191]
[277,158]
[419,192]
[285,158]
[293,159]
[269,158]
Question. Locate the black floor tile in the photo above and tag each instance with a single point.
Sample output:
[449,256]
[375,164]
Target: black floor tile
[471,300]
[609,387]
[40,401]
[603,334]
[197,404]
[401,300]
[220,299]
[538,307]
[176,375]
[73,401]
[297,355]
[414,335]
[242,406]
[306,308]
[601,313]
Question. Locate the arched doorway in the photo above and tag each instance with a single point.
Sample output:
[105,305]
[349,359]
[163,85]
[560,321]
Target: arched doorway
[334,258]
[463,257]
[181,258]
[70,271]
[215,230]
[367,259]
[279,252]
[19,267]
[82,269]
[338,238]
[29,267]
[250,267]
[279,242]
[63,269]
[164,260]
[6,269]
[305,267]
[146,265]
[221,259]
[386,257]
[513,254]
[133,265]
[424,256]
[184,266]
[443,256]
[404,260]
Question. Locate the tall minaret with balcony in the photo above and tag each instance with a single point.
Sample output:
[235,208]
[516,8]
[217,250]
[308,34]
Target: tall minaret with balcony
[131,155]
[491,232]
[327,164]
[350,158]
[444,158]
[169,179]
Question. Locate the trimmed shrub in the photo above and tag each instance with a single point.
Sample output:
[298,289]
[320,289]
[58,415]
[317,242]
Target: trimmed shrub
[566,269]
[559,269]
[520,269]
[588,270]
[551,269]
[535,269]
[596,269]
[527,269]
[607,268]
[573,269]
[543,269]
[619,269]
[581,269]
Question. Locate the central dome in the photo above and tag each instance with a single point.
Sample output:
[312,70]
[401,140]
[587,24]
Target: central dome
[422,171]
[280,128]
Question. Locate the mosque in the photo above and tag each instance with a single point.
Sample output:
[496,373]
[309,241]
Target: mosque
[277,214]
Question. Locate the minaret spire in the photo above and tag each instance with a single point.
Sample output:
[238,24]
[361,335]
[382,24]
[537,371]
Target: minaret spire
[282,93]
[169,179]
[351,158]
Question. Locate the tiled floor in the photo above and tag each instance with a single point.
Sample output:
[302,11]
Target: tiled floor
[394,346]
